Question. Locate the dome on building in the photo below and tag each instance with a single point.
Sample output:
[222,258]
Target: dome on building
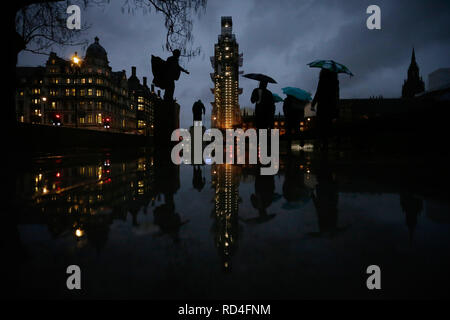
[96,51]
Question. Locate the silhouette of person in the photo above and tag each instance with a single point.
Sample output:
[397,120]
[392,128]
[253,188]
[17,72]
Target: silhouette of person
[172,74]
[198,181]
[294,112]
[197,110]
[326,97]
[265,106]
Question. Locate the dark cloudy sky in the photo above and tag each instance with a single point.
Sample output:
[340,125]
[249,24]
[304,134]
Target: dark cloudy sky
[279,38]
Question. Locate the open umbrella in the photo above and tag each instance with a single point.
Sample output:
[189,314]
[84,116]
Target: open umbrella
[330,65]
[259,77]
[297,93]
[277,98]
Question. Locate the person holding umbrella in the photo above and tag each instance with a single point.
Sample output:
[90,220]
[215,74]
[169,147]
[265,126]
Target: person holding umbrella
[327,96]
[294,111]
[263,98]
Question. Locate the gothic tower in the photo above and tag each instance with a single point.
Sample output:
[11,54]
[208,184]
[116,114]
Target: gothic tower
[414,84]
[226,62]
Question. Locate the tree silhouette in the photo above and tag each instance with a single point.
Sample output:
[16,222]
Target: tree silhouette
[42,25]
[178,16]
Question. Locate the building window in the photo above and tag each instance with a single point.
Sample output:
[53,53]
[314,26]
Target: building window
[90,92]
[83,80]
[36,91]
[141,124]
[82,120]
[99,81]
[89,80]
[99,93]
[67,92]
[99,118]
[68,80]
[74,92]
[99,105]
[89,118]
[140,107]
[82,92]
[53,105]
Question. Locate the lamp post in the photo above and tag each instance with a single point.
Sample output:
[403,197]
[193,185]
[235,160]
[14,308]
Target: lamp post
[76,65]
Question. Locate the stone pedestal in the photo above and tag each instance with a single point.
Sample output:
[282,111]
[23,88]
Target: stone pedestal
[166,121]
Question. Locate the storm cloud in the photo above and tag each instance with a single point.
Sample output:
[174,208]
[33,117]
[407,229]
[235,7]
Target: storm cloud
[279,38]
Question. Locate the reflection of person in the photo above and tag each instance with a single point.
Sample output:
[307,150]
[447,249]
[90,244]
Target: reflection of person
[327,97]
[265,106]
[197,110]
[412,206]
[262,198]
[294,189]
[172,73]
[326,200]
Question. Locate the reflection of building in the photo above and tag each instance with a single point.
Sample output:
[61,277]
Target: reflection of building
[225,180]
[85,199]
[77,92]
[226,62]
[143,101]
[414,84]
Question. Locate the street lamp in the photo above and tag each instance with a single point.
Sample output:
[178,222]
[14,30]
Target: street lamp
[76,63]
[76,59]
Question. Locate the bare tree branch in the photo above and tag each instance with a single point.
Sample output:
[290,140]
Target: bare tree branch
[42,25]
[178,15]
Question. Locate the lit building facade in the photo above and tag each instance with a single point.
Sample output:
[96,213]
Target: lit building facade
[226,62]
[82,93]
[143,100]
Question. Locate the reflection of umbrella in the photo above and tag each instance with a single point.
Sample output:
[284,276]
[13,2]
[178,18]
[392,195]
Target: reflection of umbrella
[259,77]
[277,98]
[297,93]
[330,65]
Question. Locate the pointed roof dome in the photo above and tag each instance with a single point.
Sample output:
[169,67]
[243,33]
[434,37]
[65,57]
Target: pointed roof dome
[96,51]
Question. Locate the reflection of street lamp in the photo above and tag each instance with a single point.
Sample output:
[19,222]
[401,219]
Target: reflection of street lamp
[79,233]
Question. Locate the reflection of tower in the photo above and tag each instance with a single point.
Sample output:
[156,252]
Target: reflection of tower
[414,84]
[226,62]
[225,180]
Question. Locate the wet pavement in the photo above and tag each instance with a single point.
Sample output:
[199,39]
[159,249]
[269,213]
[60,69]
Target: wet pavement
[140,227]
